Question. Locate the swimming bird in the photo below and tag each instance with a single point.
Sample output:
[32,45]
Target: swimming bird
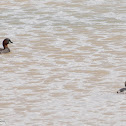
[5,48]
[122,90]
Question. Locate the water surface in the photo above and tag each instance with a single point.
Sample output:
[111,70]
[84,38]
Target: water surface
[66,63]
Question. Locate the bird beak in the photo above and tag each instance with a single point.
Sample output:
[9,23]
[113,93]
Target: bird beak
[11,41]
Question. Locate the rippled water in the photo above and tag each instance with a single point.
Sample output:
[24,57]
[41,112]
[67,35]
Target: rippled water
[66,63]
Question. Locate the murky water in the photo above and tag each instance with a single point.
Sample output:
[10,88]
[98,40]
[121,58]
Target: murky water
[67,61]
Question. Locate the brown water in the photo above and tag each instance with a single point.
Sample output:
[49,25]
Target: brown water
[67,61]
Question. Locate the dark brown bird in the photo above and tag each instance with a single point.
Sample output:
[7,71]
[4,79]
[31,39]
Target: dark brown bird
[5,48]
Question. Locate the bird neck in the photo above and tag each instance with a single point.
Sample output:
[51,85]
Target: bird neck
[5,46]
